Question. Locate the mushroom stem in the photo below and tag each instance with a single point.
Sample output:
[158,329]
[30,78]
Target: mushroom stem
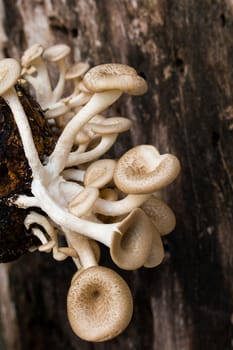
[83,248]
[99,232]
[59,88]
[97,103]
[23,125]
[120,207]
[77,158]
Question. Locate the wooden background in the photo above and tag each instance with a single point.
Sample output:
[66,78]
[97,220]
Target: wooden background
[185,50]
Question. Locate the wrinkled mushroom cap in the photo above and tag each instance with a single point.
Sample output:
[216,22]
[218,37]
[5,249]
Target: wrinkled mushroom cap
[56,52]
[9,73]
[143,170]
[99,304]
[114,76]
[31,54]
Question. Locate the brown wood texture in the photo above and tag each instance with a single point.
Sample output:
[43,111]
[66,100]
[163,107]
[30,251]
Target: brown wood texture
[185,50]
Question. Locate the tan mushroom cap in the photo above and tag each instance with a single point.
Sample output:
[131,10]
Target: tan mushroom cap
[99,304]
[9,73]
[114,76]
[160,214]
[77,70]
[31,54]
[130,249]
[109,194]
[157,251]
[56,52]
[99,173]
[111,125]
[143,170]
[84,201]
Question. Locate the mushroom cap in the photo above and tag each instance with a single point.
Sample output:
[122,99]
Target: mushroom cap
[114,76]
[130,248]
[56,52]
[160,214]
[84,201]
[31,54]
[157,251]
[143,170]
[99,173]
[99,304]
[9,73]
[77,70]
[111,125]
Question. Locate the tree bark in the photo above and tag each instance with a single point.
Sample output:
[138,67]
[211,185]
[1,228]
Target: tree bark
[185,50]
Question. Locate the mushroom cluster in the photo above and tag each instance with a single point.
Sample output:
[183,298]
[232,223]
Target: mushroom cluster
[83,195]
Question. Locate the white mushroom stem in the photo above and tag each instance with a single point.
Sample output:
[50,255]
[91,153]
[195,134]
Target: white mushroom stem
[97,103]
[73,174]
[25,202]
[59,88]
[35,218]
[99,232]
[61,107]
[120,207]
[23,125]
[41,84]
[83,248]
[77,158]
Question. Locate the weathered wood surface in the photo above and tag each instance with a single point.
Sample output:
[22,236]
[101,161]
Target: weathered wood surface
[185,50]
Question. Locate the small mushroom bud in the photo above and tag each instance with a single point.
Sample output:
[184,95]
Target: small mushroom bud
[99,304]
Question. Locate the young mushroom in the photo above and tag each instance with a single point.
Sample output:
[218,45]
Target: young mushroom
[57,54]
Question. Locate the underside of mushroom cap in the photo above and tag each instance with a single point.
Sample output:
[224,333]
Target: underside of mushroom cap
[31,54]
[114,76]
[143,170]
[130,249]
[56,52]
[99,304]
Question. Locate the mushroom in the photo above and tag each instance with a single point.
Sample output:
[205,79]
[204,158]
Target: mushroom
[76,158]
[84,201]
[99,173]
[110,125]
[143,170]
[107,82]
[160,214]
[131,248]
[76,73]
[32,57]
[156,254]
[57,54]
[99,304]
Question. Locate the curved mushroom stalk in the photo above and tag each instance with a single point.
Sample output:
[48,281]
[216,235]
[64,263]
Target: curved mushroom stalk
[99,304]
[121,206]
[76,158]
[97,103]
[35,218]
[143,170]
[9,73]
